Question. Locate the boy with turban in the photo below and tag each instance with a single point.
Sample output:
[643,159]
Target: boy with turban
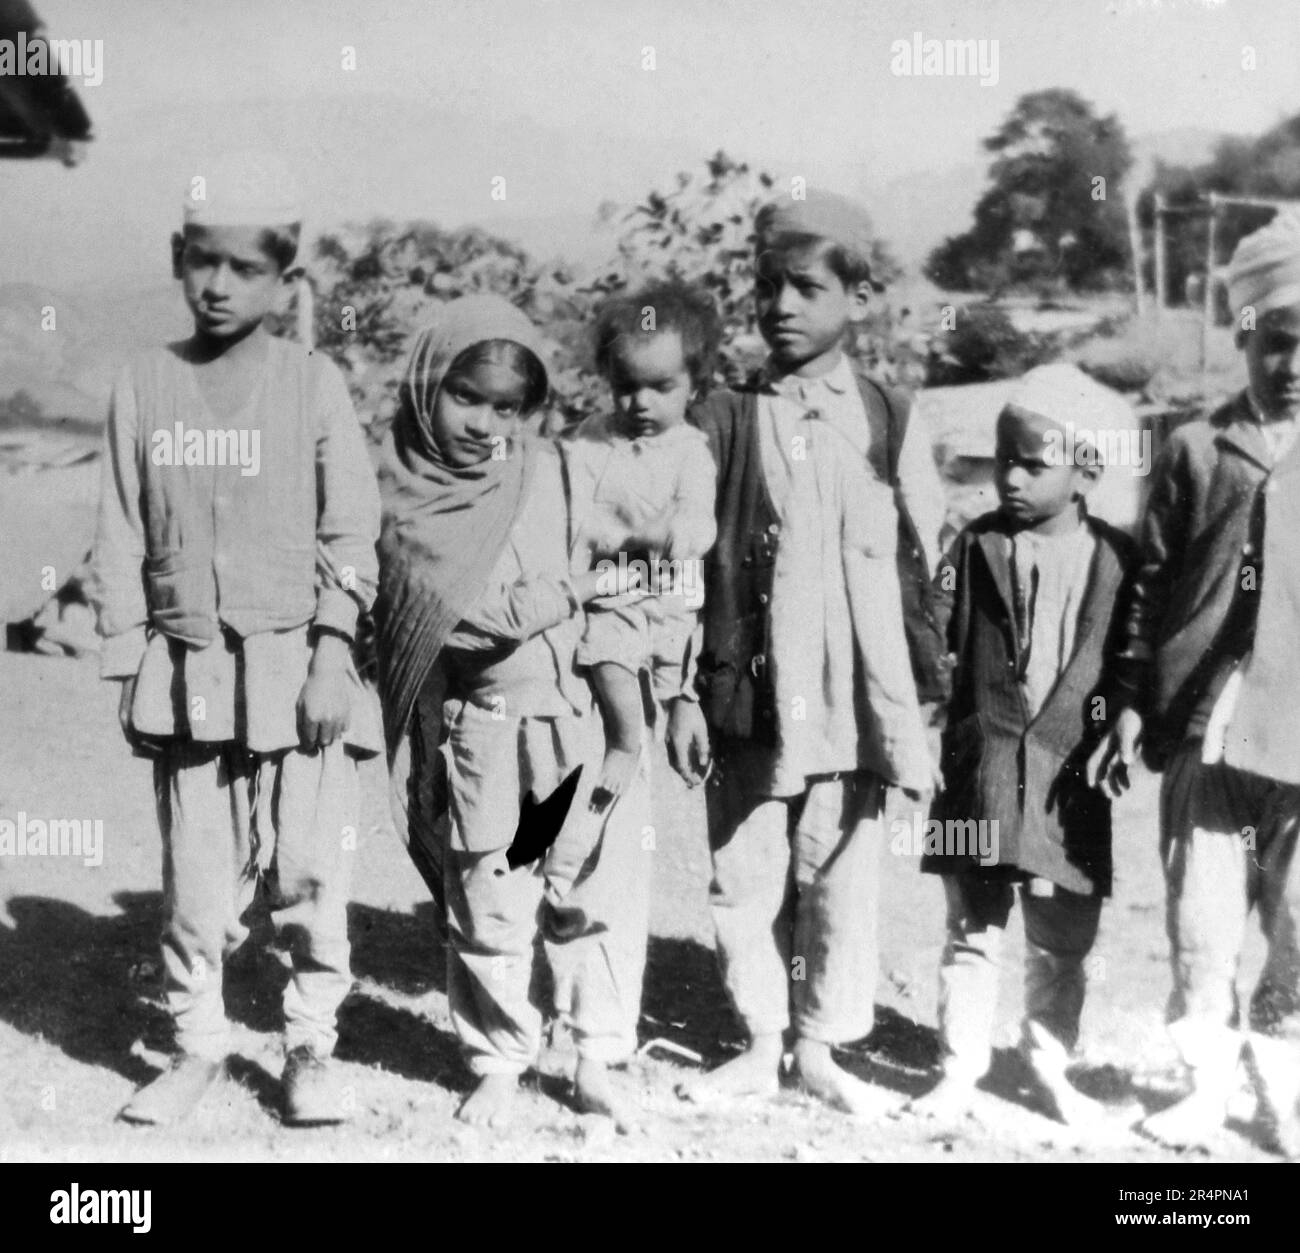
[1216,618]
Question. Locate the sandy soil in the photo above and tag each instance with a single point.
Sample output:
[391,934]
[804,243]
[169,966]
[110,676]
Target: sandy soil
[80,1015]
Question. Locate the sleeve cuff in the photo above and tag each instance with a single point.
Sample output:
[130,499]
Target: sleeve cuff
[336,611]
[120,656]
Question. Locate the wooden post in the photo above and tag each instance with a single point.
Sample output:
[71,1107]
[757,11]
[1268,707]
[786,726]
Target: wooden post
[1207,323]
[1135,247]
[305,321]
[1162,275]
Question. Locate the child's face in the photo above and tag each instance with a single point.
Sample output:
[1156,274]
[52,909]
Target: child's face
[1273,361]
[803,307]
[1034,487]
[650,382]
[477,410]
[230,282]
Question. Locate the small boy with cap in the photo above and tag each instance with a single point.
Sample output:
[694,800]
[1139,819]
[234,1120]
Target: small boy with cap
[1215,621]
[235,550]
[829,508]
[1031,594]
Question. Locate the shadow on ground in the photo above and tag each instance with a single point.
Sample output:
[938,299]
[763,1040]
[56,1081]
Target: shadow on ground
[82,981]
[90,985]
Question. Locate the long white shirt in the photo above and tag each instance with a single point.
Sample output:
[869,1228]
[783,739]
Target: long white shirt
[1054,571]
[813,443]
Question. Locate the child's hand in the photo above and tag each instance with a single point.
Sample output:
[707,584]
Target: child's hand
[933,785]
[653,610]
[688,742]
[1109,764]
[683,542]
[600,584]
[626,530]
[607,537]
[124,703]
[325,703]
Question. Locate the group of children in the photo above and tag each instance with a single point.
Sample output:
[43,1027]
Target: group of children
[752,575]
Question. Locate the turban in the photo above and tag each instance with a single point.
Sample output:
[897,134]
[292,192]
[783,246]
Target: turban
[242,189]
[821,214]
[1265,269]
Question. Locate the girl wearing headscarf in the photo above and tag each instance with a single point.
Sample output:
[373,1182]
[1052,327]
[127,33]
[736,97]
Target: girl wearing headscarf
[479,617]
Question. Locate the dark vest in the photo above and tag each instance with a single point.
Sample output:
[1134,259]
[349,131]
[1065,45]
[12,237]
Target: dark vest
[734,683]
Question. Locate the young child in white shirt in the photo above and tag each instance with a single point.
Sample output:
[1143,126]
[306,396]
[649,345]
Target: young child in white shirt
[643,470]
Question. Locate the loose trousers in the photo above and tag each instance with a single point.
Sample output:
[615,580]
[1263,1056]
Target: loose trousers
[1228,840]
[588,897]
[228,817]
[794,896]
[1060,930]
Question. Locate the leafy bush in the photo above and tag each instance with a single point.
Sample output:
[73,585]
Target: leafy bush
[376,284]
[1123,369]
[984,344]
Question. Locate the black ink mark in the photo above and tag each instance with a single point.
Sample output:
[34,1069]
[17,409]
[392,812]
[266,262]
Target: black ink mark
[540,823]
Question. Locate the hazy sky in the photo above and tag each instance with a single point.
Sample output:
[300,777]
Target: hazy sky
[800,85]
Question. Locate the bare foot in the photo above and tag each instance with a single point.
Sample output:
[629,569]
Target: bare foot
[491,1104]
[596,1095]
[1064,1101]
[821,1077]
[1193,1123]
[1275,1070]
[616,774]
[754,1073]
[949,1103]
[1286,1134]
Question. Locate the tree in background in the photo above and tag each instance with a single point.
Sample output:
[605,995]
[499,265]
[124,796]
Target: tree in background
[1045,220]
[1267,166]
[376,284]
[703,232]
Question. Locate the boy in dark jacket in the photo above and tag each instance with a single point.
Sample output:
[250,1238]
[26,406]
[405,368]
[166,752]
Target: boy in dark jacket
[1216,617]
[1033,594]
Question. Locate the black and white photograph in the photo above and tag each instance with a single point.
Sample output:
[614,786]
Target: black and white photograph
[638,582]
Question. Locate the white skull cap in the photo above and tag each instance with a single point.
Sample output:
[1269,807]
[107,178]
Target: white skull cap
[242,189]
[1065,396]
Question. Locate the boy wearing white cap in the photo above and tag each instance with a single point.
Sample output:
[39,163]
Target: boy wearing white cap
[235,549]
[1216,618]
[1030,594]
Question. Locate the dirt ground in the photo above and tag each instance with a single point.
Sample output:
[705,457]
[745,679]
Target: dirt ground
[80,1016]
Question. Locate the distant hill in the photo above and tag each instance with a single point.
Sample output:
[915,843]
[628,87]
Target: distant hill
[69,370]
